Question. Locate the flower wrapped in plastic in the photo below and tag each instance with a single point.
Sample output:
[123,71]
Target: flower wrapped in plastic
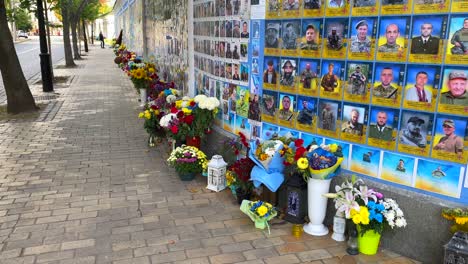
[323,164]
[269,169]
[259,212]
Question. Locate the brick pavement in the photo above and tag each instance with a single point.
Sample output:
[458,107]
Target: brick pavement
[84,188]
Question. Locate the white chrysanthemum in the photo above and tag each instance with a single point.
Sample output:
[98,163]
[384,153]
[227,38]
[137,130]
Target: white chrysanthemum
[164,122]
[399,212]
[199,98]
[400,222]
[185,98]
[170,99]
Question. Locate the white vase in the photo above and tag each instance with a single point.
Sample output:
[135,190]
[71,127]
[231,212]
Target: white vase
[339,226]
[143,97]
[317,206]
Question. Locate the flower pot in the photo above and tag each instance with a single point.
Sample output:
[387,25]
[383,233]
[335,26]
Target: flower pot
[368,242]
[193,141]
[143,97]
[317,206]
[242,195]
[187,176]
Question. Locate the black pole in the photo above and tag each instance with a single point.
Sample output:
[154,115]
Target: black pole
[47,85]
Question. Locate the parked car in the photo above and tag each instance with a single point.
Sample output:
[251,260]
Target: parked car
[22,34]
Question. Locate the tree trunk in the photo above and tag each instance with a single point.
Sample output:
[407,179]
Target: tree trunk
[66,34]
[19,97]
[76,51]
[46,16]
[84,37]
[92,32]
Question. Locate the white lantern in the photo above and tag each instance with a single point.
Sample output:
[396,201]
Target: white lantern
[216,174]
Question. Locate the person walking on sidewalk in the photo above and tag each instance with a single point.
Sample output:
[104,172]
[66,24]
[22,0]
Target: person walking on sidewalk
[101,38]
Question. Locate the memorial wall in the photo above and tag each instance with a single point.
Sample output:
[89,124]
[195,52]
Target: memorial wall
[386,80]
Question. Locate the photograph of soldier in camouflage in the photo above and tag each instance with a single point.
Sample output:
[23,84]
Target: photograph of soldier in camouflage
[290,34]
[311,32]
[361,31]
[328,113]
[288,72]
[386,76]
[458,36]
[353,120]
[286,108]
[357,78]
[413,129]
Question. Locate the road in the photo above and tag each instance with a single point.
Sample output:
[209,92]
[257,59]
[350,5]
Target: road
[28,54]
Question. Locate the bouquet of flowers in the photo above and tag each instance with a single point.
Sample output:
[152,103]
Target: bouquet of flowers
[267,152]
[238,176]
[188,159]
[459,216]
[367,208]
[204,112]
[259,212]
[152,115]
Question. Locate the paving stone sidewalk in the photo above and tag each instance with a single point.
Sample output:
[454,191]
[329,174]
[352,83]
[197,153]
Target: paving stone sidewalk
[83,187]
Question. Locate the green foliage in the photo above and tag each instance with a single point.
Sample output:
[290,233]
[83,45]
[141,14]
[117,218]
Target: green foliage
[23,20]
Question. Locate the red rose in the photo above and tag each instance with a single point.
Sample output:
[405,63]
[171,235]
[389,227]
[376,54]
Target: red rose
[180,114]
[286,163]
[188,119]
[174,110]
[174,129]
[299,152]
[192,103]
[154,107]
[298,142]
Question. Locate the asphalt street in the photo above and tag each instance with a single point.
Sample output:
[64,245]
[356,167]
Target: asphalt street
[28,54]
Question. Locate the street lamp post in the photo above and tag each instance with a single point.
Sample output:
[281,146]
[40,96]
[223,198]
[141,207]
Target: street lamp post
[46,73]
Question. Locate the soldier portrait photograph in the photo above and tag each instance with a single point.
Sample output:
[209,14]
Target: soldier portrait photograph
[357,78]
[392,32]
[361,31]
[236,29]
[306,108]
[312,4]
[228,27]
[288,72]
[400,166]
[394,2]
[413,129]
[269,103]
[311,34]
[420,81]
[273,6]
[385,85]
[270,74]
[458,36]
[254,108]
[335,3]
[330,81]
[454,87]
[335,38]
[244,75]
[449,135]
[272,35]
[291,5]
[307,73]
[286,107]
[245,29]
[382,123]
[353,120]
[328,114]
[290,34]
[426,35]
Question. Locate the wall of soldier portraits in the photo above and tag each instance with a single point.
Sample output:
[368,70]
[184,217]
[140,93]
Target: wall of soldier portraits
[386,80]
[129,19]
[157,30]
